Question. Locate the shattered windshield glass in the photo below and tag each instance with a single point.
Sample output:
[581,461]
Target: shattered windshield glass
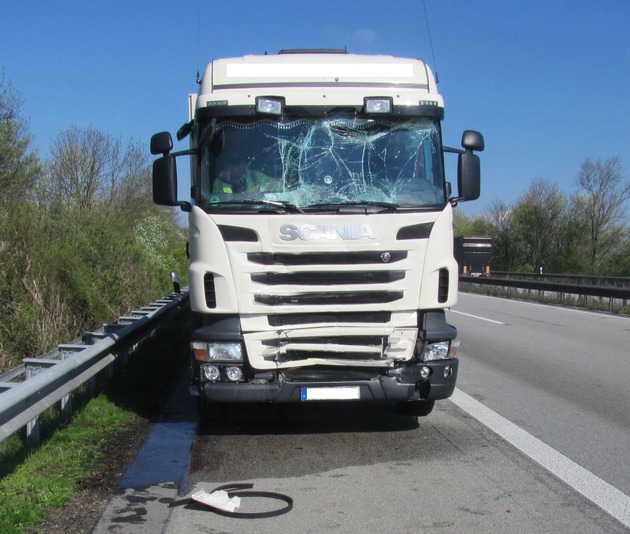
[320,161]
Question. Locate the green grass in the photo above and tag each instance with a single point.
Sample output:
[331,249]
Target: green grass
[48,477]
[31,483]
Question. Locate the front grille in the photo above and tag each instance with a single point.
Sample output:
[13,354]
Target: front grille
[328,278]
[322,318]
[293,356]
[374,341]
[326,258]
[320,374]
[340,297]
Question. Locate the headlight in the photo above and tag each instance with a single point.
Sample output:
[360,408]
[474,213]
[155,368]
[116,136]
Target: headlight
[437,351]
[231,352]
[217,352]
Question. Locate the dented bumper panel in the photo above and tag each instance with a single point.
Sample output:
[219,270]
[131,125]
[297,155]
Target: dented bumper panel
[400,385]
[372,346]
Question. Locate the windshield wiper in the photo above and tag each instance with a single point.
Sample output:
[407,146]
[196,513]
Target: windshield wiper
[278,204]
[356,206]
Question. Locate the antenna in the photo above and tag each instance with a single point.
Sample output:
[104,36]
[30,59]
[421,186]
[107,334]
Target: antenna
[198,36]
[426,18]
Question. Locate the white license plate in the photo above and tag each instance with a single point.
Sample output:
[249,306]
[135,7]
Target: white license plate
[331,393]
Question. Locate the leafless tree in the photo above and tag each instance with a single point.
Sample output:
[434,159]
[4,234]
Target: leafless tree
[500,215]
[603,193]
[90,169]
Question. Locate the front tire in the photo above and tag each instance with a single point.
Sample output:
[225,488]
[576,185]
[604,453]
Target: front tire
[210,411]
[419,408]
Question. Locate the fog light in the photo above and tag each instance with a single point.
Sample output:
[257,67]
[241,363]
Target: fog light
[211,372]
[425,372]
[234,374]
[448,371]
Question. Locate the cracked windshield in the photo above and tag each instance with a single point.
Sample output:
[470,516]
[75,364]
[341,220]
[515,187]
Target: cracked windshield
[323,161]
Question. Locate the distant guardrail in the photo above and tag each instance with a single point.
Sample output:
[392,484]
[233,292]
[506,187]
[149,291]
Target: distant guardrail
[578,279]
[39,383]
[611,297]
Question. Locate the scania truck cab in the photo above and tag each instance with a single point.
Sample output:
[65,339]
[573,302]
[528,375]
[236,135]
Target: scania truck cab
[320,230]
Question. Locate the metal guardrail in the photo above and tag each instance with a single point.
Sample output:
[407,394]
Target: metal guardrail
[558,290]
[579,279]
[39,383]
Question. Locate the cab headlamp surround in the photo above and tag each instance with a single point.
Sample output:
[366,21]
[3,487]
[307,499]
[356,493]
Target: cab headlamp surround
[217,352]
[378,105]
[270,105]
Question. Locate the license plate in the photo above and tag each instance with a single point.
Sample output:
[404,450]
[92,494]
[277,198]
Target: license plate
[331,393]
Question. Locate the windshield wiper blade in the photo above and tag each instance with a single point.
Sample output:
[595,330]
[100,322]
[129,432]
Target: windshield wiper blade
[278,204]
[362,206]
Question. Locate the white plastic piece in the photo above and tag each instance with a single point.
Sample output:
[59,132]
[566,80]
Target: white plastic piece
[218,499]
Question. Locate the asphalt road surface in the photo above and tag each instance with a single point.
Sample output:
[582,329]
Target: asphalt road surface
[561,374]
[536,439]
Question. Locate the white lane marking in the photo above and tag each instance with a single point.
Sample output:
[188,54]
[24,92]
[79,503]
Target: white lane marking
[591,312]
[477,317]
[598,491]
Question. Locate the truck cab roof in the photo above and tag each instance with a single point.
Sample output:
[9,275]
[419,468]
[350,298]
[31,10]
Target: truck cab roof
[318,78]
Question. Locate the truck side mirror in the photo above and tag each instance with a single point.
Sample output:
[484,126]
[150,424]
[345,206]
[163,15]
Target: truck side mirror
[472,140]
[161,143]
[469,167]
[165,181]
[165,171]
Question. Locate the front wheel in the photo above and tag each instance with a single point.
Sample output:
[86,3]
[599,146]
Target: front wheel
[419,408]
[210,411]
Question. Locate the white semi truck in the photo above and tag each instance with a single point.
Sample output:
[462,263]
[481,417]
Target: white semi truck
[321,230]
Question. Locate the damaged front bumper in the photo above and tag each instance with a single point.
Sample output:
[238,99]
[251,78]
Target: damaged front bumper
[428,381]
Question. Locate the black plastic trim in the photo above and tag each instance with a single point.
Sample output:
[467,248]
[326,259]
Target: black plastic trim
[416,231]
[238,234]
[436,328]
[211,111]
[221,328]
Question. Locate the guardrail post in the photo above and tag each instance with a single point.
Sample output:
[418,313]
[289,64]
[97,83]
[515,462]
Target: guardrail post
[109,370]
[65,408]
[32,429]
[65,404]
[32,434]
[91,386]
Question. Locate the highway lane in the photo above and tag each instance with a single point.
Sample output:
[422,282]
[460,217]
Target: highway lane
[561,374]
[365,468]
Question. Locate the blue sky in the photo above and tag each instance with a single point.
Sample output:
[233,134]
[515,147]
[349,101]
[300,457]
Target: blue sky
[546,81]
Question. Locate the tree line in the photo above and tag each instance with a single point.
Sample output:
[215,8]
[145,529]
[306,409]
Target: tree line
[582,233]
[81,241]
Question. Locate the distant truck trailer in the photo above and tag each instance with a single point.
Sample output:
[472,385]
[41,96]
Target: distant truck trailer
[473,255]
